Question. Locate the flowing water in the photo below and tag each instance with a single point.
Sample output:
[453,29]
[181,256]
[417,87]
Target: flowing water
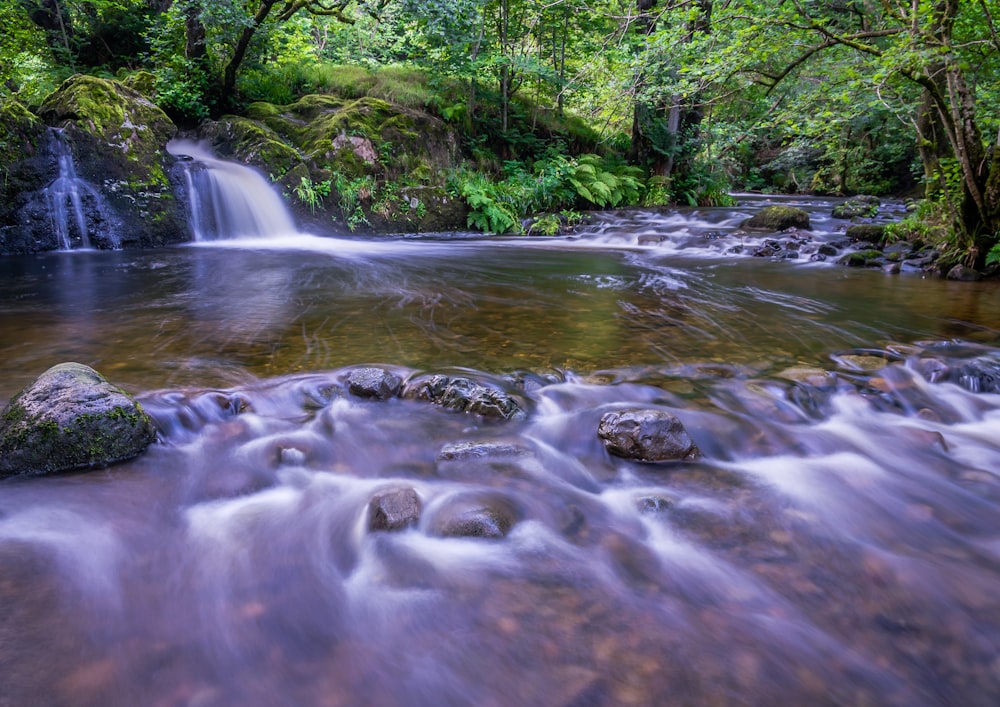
[227,199]
[838,542]
[69,198]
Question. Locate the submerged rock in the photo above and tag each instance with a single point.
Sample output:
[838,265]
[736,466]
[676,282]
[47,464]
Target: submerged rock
[777,218]
[393,509]
[71,417]
[464,395]
[646,436]
[475,517]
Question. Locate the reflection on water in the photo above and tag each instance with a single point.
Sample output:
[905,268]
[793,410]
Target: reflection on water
[838,543]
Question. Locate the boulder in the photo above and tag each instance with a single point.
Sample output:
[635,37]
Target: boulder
[963,273]
[394,509]
[857,207]
[69,418]
[464,395]
[646,435]
[376,383]
[874,233]
[777,218]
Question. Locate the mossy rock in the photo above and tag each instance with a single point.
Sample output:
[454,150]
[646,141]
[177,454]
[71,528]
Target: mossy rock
[118,139]
[777,218]
[857,207]
[117,118]
[253,142]
[866,232]
[862,259]
[70,418]
[142,82]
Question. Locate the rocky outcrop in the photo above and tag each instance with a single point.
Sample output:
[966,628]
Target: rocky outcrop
[71,417]
[646,436]
[345,160]
[114,138]
[26,167]
[777,218]
[118,137]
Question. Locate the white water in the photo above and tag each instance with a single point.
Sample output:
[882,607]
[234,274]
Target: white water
[227,199]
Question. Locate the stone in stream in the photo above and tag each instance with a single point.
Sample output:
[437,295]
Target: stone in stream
[646,435]
[464,395]
[71,417]
[394,509]
[474,517]
[777,218]
[376,383]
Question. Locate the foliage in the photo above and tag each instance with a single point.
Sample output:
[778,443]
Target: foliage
[552,183]
[353,193]
[312,193]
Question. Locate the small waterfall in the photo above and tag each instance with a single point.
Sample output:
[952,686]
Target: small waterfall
[227,199]
[69,198]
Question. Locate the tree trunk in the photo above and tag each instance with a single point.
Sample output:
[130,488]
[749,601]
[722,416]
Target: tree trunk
[664,135]
[240,51]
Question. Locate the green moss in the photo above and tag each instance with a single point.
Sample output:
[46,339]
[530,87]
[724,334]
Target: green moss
[778,218]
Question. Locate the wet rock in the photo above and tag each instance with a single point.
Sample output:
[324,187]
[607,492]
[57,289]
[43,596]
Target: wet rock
[963,273]
[71,417]
[117,137]
[474,517]
[646,435]
[866,232]
[465,451]
[394,509]
[464,395]
[777,218]
[862,258]
[376,383]
[857,207]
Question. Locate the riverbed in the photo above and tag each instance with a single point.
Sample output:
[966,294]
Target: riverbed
[837,542]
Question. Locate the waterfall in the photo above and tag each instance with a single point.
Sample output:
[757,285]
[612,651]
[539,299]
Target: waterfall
[69,198]
[227,199]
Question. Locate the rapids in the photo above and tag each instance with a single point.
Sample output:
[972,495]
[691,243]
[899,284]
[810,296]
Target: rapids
[837,543]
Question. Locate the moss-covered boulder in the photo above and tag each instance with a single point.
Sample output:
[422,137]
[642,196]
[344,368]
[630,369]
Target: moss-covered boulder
[857,207]
[69,418]
[777,218]
[389,161]
[25,168]
[117,137]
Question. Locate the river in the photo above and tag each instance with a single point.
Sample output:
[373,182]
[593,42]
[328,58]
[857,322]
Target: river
[838,541]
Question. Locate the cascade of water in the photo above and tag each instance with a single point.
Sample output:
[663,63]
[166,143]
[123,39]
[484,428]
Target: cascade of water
[65,196]
[228,199]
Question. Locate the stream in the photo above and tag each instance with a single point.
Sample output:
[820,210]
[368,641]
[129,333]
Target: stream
[837,542]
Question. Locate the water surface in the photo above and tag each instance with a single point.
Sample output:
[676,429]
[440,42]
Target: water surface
[838,542]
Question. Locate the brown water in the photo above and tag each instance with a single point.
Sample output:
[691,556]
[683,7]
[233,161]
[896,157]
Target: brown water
[838,543]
